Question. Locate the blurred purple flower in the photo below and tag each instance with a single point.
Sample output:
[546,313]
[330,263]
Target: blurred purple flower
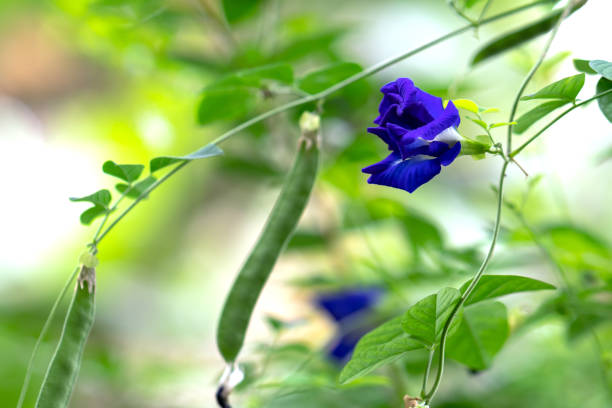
[349,308]
[420,133]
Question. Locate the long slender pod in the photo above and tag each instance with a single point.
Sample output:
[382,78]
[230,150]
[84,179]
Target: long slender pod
[41,336]
[281,222]
[63,369]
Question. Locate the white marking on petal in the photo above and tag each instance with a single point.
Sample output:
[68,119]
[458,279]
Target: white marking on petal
[450,136]
[420,157]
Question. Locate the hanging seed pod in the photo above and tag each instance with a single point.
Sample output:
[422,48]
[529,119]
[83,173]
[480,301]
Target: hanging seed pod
[281,222]
[63,369]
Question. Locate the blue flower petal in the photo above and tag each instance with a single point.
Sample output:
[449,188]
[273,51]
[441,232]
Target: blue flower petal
[409,116]
[437,149]
[382,165]
[386,137]
[450,155]
[447,119]
[347,302]
[419,131]
[407,174]
[453,111]
[433,104]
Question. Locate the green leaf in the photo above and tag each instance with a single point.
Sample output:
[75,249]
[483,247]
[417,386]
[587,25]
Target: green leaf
[603,68]
[470,3]
[480,336]
[583,66]
[282,73]
[425,319]
[489,110]
[210,150]
[566,89]
[126,172]
[138,188]
[480,123]
[101,198]
[421,232]
[605,102]
[163,161]
[466,104]
[383,345]
[530,117]
[322,79]
[92,213]
[500,124]
[578,248]
[587,315]
[492,286]
[519,36]
[256,77]
[236,10]
[227,103]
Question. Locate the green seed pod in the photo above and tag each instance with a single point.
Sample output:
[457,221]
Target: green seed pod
[63,369]
[281,222]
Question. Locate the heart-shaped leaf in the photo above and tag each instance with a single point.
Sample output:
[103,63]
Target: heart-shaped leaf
[101,198]
[126,172]
[137,189]
[480,336]
[92,213]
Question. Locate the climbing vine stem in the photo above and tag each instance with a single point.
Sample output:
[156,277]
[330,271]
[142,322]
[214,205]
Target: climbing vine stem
[466,294]
[508,157]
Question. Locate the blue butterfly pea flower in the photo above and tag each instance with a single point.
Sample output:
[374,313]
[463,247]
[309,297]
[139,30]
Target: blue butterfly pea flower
[349,308]
[420,133]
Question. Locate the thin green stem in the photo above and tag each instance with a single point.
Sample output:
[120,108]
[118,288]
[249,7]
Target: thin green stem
[500,197]
[488,130]
[552,122]
[319,96]
[43,333]
[432,352]
[532,72]
[468,292]
[108,213]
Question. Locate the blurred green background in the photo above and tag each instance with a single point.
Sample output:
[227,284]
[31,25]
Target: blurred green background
[82,82]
